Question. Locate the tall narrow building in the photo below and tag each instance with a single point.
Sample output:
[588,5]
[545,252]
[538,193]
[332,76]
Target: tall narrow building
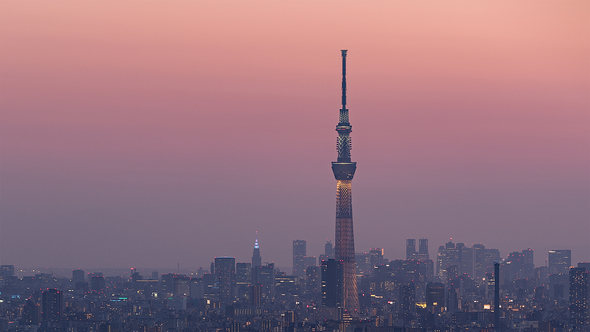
[225,272]
[299,254]
[344,170]
[256,259]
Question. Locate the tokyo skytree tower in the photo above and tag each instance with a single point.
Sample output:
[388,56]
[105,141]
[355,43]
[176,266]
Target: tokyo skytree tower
[344,172]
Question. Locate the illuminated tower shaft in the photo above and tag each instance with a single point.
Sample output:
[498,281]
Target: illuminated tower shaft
[344,172]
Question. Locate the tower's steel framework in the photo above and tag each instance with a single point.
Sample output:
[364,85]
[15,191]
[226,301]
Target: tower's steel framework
[344,170]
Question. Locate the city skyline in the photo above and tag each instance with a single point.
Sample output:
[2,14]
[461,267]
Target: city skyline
[174,132]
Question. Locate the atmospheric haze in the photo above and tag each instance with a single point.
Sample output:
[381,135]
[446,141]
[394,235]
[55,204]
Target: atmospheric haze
[154,133]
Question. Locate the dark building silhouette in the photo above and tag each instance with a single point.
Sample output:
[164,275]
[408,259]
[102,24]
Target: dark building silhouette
[225,272]
[363,263]
[560,261]
[313,281]
[329,249]
[31,313]
[579,284]
[210,286]
[445,258]
[484,260]
[344,170]
[497,296]
[423,249]
[421,253]
[435,296]
[52,301]
[6,271]
[528,265]
[97,284]
[332,283]
[243,273]
[256,294]
[256,258]
[243,279]
[78,276]
[407,294]
[264,277]
[299,254]
[328,252]
[309,261]
[286,286]
[520,265]
[410,248]
[376,256]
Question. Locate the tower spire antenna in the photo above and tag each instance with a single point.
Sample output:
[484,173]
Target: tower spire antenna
[344,78]
[256,259]
[343,170]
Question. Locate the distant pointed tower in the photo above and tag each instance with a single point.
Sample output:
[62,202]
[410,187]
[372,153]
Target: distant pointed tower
[344,172]
[256,259]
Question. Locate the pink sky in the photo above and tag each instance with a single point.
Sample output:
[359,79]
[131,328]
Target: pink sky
[150,133]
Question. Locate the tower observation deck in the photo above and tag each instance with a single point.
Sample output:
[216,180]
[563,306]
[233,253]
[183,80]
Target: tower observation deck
[344,170]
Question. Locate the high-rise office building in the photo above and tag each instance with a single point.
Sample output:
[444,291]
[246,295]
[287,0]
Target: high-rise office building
[410,248]
[343,170]
[97,284]
[225,271]
[376,255]
[263,278]
[6,271]
[52,305]
[256,259]
[446,258]
[528,265]
[78,276]
[31,313]
[299,253]
[328,253]
[484,260]
[521,265]
[243,279]
[331,285]
[422,252]
[312,280]
[579,283]
[435,296]
[329,249]
[423,249]
[243,273]
[514,261]
[560,261]
[407,308]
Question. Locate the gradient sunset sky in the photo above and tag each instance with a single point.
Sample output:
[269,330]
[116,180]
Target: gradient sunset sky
[146,133]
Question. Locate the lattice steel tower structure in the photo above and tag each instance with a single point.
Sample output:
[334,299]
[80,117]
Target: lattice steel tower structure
[344,172]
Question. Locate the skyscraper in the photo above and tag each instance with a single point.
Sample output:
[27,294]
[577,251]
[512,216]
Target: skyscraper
[256,259]
[376,257]
[78,276]
[560,261]
[423,249]
[52,305]
[299,253]
[329,249]
[559,267]
[331,285]
[225,270]
[263,280]
[344,170]
[579,282]
[410,248]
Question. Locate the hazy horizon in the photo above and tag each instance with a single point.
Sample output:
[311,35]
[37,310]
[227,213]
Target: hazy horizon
[157,133]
